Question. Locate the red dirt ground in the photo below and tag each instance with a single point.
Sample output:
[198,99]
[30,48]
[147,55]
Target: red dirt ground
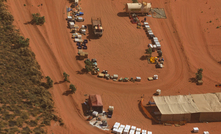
[188,43]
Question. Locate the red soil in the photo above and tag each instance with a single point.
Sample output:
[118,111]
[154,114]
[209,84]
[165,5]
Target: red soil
[188,43]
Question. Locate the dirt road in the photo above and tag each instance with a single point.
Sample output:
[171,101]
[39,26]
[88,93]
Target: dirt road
[187,45]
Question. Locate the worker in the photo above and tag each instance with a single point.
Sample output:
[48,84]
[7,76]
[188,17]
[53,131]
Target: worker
[145,19]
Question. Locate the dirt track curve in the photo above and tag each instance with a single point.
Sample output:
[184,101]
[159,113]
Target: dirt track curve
[186,46]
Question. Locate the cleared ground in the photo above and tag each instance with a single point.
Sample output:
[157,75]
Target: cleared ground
[188,42]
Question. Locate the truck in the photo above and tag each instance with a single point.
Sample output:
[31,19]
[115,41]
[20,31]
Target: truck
[82,55]
[97,26]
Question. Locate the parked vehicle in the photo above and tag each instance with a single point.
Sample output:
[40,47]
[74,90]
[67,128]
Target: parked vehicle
[79,19]
[84,47]
[104,72]
[94,60]
[78,40]
[97,26]
[85,41]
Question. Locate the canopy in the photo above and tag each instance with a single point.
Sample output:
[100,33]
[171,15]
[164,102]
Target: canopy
[184,104]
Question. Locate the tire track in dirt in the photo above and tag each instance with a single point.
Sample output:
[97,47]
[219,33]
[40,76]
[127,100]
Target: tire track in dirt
[122,95]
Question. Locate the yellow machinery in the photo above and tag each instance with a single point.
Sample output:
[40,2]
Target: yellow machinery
[153,59]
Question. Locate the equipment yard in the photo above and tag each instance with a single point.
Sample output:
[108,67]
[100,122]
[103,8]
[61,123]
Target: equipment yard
[189,39]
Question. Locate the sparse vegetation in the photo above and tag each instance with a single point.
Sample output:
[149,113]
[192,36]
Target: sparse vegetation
[24,4]
[88,66]
[135,1]
[201,11]
[218,27]
[36,19]
[73,88]
[199,74]
[149,51]
[210,21]
[21,92]
[49,81]
[66,77]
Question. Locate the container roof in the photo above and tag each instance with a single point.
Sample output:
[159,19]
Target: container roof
[186,104]
[95,100]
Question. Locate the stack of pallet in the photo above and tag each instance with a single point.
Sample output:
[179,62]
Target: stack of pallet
[122,129]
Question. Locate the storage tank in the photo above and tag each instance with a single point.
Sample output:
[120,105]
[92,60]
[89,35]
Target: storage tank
[138,7]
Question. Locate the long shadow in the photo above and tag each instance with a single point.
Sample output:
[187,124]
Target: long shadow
[144,57]
[192,80]
[66,93]
[151,110]
[141,110]
[29,22]
[85,109]
[83,71]
[123,14]
[59,82]
[91,34]
[77,57]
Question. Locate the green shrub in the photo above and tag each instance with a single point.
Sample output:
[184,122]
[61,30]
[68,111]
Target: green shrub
[199,74]
[66,77]
[73,88]
[32,123]
[26,130]
[36,19]
[49,81]
[21,91]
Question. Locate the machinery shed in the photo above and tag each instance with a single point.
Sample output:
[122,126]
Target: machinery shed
[185,107]
[95,103]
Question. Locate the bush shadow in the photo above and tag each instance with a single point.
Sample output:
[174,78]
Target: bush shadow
[192,80]
[91,34]
[143,57]
[30,22]
[66,93]
[83,71]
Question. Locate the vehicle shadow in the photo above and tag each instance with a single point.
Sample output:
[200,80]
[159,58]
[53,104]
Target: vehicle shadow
[77,57]
[91,34]
[123,14]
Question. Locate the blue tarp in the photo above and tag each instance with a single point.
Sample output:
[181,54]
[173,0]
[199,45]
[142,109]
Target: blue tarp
[80,13]
[69,9]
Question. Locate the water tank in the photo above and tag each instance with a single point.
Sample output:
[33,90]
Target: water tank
[158,92]
[138,7]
